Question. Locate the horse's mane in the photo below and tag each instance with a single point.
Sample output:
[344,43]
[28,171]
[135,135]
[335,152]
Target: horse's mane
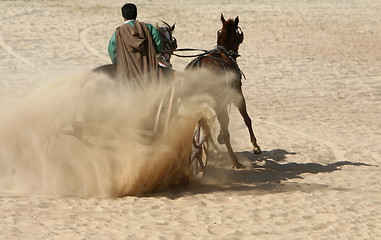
[160,30]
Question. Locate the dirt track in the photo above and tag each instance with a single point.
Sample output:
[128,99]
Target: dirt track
[313,91]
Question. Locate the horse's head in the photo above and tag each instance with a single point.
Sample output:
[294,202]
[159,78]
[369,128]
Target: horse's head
[230,36]
[169,43]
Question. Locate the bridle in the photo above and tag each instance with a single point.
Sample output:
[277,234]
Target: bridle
[169,45]
[239,36]
[231,54]
[238,39]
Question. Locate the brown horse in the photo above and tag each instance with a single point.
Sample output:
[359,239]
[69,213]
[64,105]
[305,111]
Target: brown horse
[164,57]
[222,60]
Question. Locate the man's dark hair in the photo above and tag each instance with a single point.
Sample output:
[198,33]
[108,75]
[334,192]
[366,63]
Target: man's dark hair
[129,11]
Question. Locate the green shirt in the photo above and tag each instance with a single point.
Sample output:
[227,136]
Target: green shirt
[157,41]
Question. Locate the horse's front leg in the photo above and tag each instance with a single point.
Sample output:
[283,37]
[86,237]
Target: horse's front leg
[240,103]
[223,119]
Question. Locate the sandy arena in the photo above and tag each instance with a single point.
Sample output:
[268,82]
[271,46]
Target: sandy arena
[313,91]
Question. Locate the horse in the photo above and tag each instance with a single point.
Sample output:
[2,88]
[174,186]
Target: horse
[223,61]
[169,44]
[164,57]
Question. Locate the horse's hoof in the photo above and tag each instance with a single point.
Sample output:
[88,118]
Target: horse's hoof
[257,150]
[184,182]
[217,154]
[220,139]
[240,166]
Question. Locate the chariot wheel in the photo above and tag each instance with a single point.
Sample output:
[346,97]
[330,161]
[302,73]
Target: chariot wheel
[199,155]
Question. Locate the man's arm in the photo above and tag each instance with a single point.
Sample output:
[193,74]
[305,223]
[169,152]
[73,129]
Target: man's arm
[112,48]
[157,41]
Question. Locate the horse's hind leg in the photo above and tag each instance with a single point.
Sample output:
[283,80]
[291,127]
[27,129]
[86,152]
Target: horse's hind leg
[223,119]
[208,132]
[108,69]
[240,103]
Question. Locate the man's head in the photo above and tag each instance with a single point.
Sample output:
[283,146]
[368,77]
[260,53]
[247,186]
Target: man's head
[129,11]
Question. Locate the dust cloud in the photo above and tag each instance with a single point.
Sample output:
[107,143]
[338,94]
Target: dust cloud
[86,136]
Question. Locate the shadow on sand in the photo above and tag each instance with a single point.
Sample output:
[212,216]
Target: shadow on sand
[264,178]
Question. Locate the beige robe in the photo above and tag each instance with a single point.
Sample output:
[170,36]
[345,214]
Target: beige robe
[136,54]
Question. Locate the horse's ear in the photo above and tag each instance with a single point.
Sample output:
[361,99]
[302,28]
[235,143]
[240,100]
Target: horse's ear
[173,27]
[236,21]
[222,18]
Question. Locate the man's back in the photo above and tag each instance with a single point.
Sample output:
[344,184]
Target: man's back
[133,48]
[158,43]
[136,54]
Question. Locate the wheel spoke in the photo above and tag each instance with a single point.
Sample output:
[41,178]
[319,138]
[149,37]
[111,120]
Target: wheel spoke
[199,154]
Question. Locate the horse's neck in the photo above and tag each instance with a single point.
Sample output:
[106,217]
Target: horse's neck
[222,48]
[231,57]
[231,54]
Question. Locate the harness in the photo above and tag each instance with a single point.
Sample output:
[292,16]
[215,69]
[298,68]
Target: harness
[231,56]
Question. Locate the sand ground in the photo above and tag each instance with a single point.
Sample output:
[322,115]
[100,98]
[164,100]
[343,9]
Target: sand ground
[313,91]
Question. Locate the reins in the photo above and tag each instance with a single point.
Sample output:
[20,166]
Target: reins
[186,50]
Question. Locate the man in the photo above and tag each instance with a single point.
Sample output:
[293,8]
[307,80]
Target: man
[133,47]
